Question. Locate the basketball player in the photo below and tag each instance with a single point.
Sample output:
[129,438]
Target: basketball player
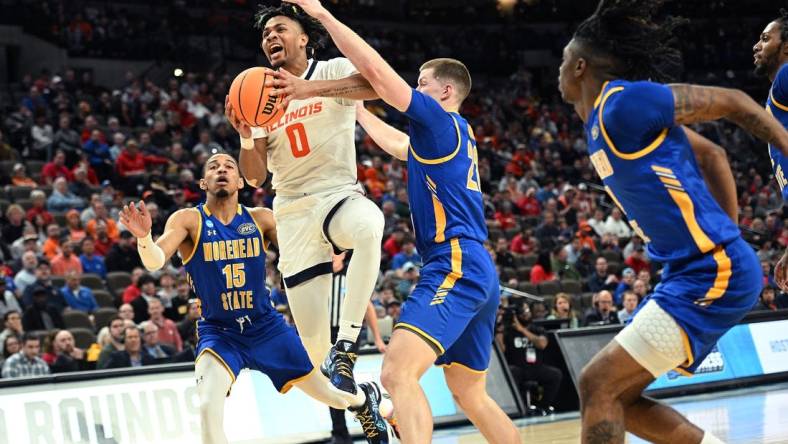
[450,316]
[223,248]
[636,142]
[319,205]
[771,60]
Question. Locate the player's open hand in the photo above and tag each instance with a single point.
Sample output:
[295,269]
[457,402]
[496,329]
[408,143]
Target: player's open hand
[136,220]
[311,7]
[243,129]
[289,87]
[781,272]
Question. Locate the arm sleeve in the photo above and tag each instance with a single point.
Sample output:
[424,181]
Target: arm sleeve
[635,117]
[259,132]
[779,90]
[434,133]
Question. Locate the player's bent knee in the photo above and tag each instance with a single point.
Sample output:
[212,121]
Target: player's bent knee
[592,382]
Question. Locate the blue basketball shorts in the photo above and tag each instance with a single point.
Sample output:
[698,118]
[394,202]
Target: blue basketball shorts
[454,304]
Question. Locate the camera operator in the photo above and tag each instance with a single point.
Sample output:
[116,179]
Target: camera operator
[523,345]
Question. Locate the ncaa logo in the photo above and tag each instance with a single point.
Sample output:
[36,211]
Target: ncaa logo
[595,132]
[209,224]
[247,228]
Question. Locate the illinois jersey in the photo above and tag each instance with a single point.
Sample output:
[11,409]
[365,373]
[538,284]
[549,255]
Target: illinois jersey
[227,271]
[312,146]
[443,176]
[649,169]
[777,105]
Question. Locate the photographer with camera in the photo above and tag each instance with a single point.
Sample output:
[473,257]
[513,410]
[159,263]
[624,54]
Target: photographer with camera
[523,345]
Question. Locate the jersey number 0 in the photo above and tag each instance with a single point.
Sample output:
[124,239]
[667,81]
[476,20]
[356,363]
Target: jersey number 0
[299,145]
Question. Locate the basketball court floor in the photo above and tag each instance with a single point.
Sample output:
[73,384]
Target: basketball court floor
[752,415]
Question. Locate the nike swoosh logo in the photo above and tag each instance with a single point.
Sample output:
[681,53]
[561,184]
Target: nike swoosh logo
[355,326]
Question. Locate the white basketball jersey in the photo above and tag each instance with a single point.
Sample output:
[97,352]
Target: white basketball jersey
[312,148]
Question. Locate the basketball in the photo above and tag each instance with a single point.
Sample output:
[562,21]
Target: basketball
[251,99]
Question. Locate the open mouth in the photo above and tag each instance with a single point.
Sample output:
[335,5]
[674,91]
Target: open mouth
[275,48]
[222,181]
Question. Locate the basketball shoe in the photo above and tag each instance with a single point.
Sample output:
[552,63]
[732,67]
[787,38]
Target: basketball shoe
[338,366]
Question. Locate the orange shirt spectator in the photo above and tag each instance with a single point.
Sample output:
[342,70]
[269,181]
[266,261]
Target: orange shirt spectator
[51,246]
[66,262]
[112,228]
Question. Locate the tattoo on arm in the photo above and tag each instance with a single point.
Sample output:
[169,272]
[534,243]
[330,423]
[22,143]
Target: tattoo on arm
[342,91]
[754,124]
[605,432]
[693,103]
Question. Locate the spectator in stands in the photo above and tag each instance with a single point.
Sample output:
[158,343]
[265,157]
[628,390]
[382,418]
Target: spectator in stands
[616,226]
[539,311]
[408,253]
[66,356]
[123,255]
[81,187]
[56,168]
[76,232]
[162,353]
[561,265]
[179,302]
[631,301]
[627,281]
[503,257]
[66,261]
[523,242]
[187,328]
[115,330]
[132,291]
[410,275]
[38,210]
[126,312]
[562,309]
[67,140]
[585,264]
[603,311]
[640,288]
[12,326]
[8,301]
[168,331]
[132,355]
[20,177]
[542,270]
[41,315]
[103,243]
[393,310]
[14,225]
[147,286]
[27,362]
[43,136]
[10,345]
[91,262]
[99,155]
[44,281]
[504,219]
[602,279]
[78,297]
[118,142]
[393,245]
[51,246]
[27,275]
[206,145]
[548,231]
[390,218]
[637,260]
[523,346]
[132,167]
[766,302]
[100,214]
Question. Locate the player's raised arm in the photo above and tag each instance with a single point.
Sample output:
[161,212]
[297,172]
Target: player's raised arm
[384,80]
[695,103]
[353,87]
[713,163]
[253,160]
[390,139]
[138,222]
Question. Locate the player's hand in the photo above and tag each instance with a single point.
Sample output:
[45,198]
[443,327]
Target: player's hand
[289,87]
[380,345]
[311,7]
[137,221]
[781,272]
[243,129]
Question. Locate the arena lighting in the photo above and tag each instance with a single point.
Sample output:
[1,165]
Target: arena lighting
[178,72]
[506,6]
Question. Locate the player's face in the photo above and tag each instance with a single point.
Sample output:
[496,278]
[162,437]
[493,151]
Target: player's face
[431,86]
[221,177]
[766,52]
[283,40]
[568,83]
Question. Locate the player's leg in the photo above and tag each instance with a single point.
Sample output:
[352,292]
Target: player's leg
[309,306]
[469,390]
[357,225]
[407,358]
[213,383]
[318,387]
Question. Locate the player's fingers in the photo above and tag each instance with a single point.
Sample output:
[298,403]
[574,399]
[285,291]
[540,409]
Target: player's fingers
[285,102]
[143,208]
[285,73]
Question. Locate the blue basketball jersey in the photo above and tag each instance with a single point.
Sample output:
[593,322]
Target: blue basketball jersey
[649,169]
[227,271]
[443,176]
[777,105]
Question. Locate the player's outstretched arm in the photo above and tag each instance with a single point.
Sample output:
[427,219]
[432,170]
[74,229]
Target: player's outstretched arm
[176,230]
[265,218]
[713,163]
[354,87]
[384,80]
[695,103]
[253,159]
[390,139]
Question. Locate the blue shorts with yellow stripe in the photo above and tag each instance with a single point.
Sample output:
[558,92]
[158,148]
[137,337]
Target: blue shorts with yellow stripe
[708,295]
[275,350]
[454,304]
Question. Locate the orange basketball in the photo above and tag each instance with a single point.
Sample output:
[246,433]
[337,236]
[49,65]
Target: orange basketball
[251,99]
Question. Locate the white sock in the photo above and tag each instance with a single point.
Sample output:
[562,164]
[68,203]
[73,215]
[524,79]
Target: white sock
[708,438]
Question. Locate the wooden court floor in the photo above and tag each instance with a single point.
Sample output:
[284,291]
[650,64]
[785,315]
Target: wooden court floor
[752,415]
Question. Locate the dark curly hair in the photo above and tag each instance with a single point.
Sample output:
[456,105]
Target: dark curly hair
[312,27]
[622,39]
[783,21]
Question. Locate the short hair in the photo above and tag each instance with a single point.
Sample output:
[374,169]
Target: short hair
[312,27]
[129,327]
[113,319]
[452,70]
[37,194]
[145,279]
[30,336]
[9,313]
